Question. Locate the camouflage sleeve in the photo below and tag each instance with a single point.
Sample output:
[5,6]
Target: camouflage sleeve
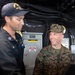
[38,65]
[66,61]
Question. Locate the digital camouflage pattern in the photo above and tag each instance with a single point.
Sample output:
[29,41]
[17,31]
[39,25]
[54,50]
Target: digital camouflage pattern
[52,61]
[57,28]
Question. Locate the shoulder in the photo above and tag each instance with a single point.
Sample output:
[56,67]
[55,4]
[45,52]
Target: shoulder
[46,48]
[66,50]
[2,38]
[43,53]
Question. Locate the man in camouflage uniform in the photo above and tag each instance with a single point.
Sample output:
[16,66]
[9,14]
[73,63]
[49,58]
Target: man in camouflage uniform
[55,58]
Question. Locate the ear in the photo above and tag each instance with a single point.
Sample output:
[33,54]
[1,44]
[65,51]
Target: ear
[7,19]
[62,35]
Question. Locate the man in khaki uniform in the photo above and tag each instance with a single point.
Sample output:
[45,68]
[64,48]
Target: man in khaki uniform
[55,58]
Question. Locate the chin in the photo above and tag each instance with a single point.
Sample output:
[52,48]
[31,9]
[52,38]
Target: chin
[53,44]
[19,29]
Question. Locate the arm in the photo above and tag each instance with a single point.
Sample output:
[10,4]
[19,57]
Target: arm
[8,63]
[38,69]
[66,60]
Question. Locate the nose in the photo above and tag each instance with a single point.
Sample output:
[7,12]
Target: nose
[22,22]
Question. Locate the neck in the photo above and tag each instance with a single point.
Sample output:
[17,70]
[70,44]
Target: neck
[10,31]
[56,46]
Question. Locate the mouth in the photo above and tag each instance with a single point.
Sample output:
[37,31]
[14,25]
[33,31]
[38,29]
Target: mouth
[52,41]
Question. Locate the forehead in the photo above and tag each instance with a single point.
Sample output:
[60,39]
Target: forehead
[55,33]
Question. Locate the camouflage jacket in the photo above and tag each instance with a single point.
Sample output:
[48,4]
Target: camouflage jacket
[52,61]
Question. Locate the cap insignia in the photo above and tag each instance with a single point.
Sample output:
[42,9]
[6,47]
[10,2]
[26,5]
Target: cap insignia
[17,6]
